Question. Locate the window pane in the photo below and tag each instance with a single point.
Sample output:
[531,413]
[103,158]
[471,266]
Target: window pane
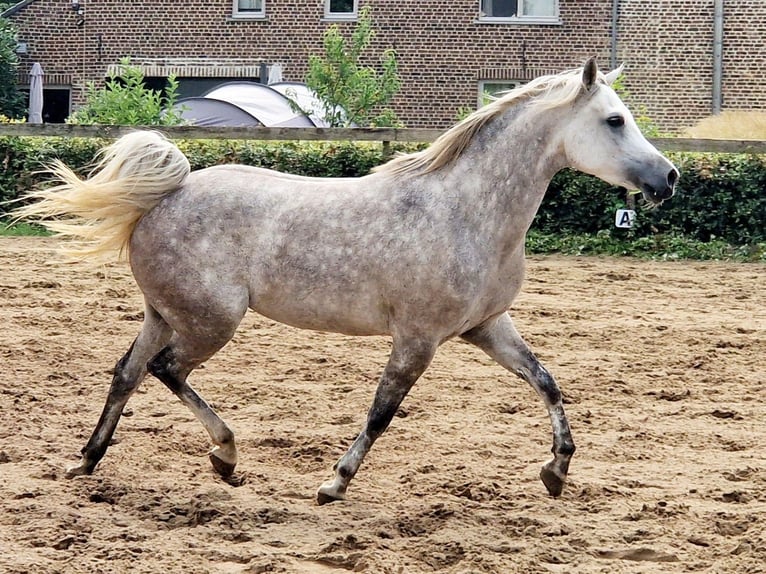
[539,7]
[249,5]
[498,88]
[342,6]
[495,89]
[499,8]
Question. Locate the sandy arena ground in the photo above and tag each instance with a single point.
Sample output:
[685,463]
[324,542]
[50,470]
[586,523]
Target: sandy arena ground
[662,366]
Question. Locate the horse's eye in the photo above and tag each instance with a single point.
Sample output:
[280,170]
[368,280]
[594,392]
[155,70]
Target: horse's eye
[615,121]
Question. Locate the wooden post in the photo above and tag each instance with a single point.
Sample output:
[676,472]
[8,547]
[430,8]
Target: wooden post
[387,153]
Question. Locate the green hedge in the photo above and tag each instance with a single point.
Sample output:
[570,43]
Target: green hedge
[719,196]
[24,158]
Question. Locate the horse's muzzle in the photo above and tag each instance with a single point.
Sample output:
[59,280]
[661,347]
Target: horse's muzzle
[661,188]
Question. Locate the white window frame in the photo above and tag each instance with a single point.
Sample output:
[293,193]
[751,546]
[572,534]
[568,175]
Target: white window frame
[522,18]
[511,84]
[340,15]
[239,13]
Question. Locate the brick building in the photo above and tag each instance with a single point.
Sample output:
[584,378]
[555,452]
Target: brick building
[448,51]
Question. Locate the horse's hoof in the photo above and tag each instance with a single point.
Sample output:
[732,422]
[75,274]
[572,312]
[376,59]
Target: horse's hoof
[223,468]
[81,469]
[552,481]
[328,493]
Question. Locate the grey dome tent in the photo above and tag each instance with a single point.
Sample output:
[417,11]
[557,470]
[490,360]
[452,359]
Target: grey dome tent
[252,104]
[210,112]
[306,99]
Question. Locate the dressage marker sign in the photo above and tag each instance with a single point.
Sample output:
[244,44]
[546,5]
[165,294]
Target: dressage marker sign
[623,218]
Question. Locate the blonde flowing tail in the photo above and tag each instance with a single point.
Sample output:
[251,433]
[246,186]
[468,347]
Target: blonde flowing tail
[99,213]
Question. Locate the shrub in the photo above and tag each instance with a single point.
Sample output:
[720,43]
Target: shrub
[25,159]
[318,159]
[718,196]
[11,99]
[126,101]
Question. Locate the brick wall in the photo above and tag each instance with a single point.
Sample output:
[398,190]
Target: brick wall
[744,55]
[443,51]
[668,50]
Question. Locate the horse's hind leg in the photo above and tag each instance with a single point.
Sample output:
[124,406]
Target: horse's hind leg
[172,366]
[407,362]
[500,340]
[128,374]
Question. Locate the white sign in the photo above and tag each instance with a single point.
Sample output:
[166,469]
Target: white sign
[623,218]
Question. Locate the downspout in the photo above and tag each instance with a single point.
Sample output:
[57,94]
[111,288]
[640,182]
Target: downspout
[630,199]
[717,56]
[613,45]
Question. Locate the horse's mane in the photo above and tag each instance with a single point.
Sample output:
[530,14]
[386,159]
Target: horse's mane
[544,92]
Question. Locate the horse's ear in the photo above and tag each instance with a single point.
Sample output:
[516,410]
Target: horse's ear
[613,75]
[590,74]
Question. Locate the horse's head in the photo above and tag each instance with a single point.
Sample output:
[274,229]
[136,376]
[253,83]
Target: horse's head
[604,140]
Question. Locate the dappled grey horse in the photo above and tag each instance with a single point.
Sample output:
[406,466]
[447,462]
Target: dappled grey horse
[428,247]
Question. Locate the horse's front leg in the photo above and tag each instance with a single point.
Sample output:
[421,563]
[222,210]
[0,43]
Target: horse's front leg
[500,340]
[408,359]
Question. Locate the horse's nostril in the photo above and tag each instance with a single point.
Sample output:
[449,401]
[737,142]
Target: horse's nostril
[672,178]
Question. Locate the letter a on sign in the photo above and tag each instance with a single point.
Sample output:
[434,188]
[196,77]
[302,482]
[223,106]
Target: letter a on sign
[624,218]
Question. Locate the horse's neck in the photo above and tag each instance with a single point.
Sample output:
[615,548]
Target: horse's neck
[507,168]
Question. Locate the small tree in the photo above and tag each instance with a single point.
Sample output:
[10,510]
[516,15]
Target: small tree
[127,101]
[640,114]
[351,93]
[11,100]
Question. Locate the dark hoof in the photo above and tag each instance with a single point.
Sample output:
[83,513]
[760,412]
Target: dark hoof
[82,469]
[323,498]
[237,479]
[552,481]
[328,493]
[224,469]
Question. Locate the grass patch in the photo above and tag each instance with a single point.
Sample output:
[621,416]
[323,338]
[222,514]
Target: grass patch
[664,247]
[22,230]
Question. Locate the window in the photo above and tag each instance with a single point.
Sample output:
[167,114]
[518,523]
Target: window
[531,11]
[193,87]
[489,89]
[340,9]
[249,9]
[56,103]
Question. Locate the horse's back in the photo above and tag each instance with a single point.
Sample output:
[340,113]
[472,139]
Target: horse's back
[253,172]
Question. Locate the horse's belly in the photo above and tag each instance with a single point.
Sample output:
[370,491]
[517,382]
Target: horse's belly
[348,318]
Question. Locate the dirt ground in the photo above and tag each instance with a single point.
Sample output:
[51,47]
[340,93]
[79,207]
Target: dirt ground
[661,364]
